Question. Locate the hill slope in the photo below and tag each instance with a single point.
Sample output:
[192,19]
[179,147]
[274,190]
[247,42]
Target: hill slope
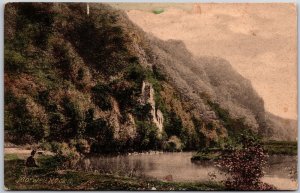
[78,78]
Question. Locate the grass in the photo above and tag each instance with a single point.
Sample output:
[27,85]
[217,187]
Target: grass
[18,177]
[10,156]
[205,156]
[271,147]
[281,147]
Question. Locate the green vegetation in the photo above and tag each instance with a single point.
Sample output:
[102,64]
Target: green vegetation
[71,78]
[55,99]
[208,155]
[281,147]
[232,125]
[244,165]
[49,177]
[69,71]
[101,96]
[23,126]
[173,144]
[158,11]
[10,156]
[173,125]
[270,147]
[147,136]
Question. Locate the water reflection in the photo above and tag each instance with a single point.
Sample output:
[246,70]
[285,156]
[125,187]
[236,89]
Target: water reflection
[178,167]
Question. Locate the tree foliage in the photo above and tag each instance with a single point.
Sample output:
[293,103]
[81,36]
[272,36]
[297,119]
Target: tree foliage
[244,165]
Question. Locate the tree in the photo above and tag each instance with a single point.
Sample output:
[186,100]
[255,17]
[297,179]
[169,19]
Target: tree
[143,112]
[147,137]
[20,122]
[174,126]
[101,96]
[244,165]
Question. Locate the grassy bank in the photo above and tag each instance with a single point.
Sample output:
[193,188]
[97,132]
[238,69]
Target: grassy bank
[271,147]
[281,147]
[205,156]
[46,177]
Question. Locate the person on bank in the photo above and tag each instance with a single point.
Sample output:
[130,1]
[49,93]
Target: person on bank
[30,162]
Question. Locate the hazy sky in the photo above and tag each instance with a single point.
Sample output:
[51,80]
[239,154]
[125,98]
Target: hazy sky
[259,40]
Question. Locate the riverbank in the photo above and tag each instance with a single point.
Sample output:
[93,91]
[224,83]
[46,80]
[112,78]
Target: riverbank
[46,177]
[271,147]
[281,147]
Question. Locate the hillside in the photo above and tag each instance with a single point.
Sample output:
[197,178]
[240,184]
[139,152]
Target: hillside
[286,129]
[82,79]
[259,47]
[216,90]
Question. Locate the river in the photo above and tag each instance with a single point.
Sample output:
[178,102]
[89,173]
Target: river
[178,167]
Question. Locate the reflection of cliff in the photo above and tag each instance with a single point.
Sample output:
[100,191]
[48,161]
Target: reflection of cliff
[148,97]
[280,165]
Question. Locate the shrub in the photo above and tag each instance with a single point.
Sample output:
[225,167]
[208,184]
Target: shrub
[81,145]
[135,72]
[173,125]
[126,93]
[67,155]
[64,60]
[157,73]
[80,74]
[45,145]
[55,146]
[231,124]
[173,144]
[21,124]
[101,96]
[158,11]
[14,61]
[35,22]
[75,125]
[99,128]
[101,43]
[143,112]
[244,165]
[103,136]
[147,136]
[57,123]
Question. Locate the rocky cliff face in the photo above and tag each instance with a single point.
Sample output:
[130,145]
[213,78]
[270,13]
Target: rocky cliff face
[147,96]
[98,77]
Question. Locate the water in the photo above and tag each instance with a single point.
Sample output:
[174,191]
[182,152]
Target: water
[178,167]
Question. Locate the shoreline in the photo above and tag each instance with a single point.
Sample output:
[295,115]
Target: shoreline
[18,177]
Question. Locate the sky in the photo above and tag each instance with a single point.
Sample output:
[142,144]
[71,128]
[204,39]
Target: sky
[259,40]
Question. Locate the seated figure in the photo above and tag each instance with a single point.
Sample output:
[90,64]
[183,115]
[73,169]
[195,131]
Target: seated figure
[30,162]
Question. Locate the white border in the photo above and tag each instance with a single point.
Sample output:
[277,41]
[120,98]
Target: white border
[125,1]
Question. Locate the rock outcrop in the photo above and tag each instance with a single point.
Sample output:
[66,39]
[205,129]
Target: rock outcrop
[148,96]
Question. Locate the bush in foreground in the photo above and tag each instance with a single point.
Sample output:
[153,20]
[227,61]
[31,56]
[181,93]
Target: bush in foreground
[244,166]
